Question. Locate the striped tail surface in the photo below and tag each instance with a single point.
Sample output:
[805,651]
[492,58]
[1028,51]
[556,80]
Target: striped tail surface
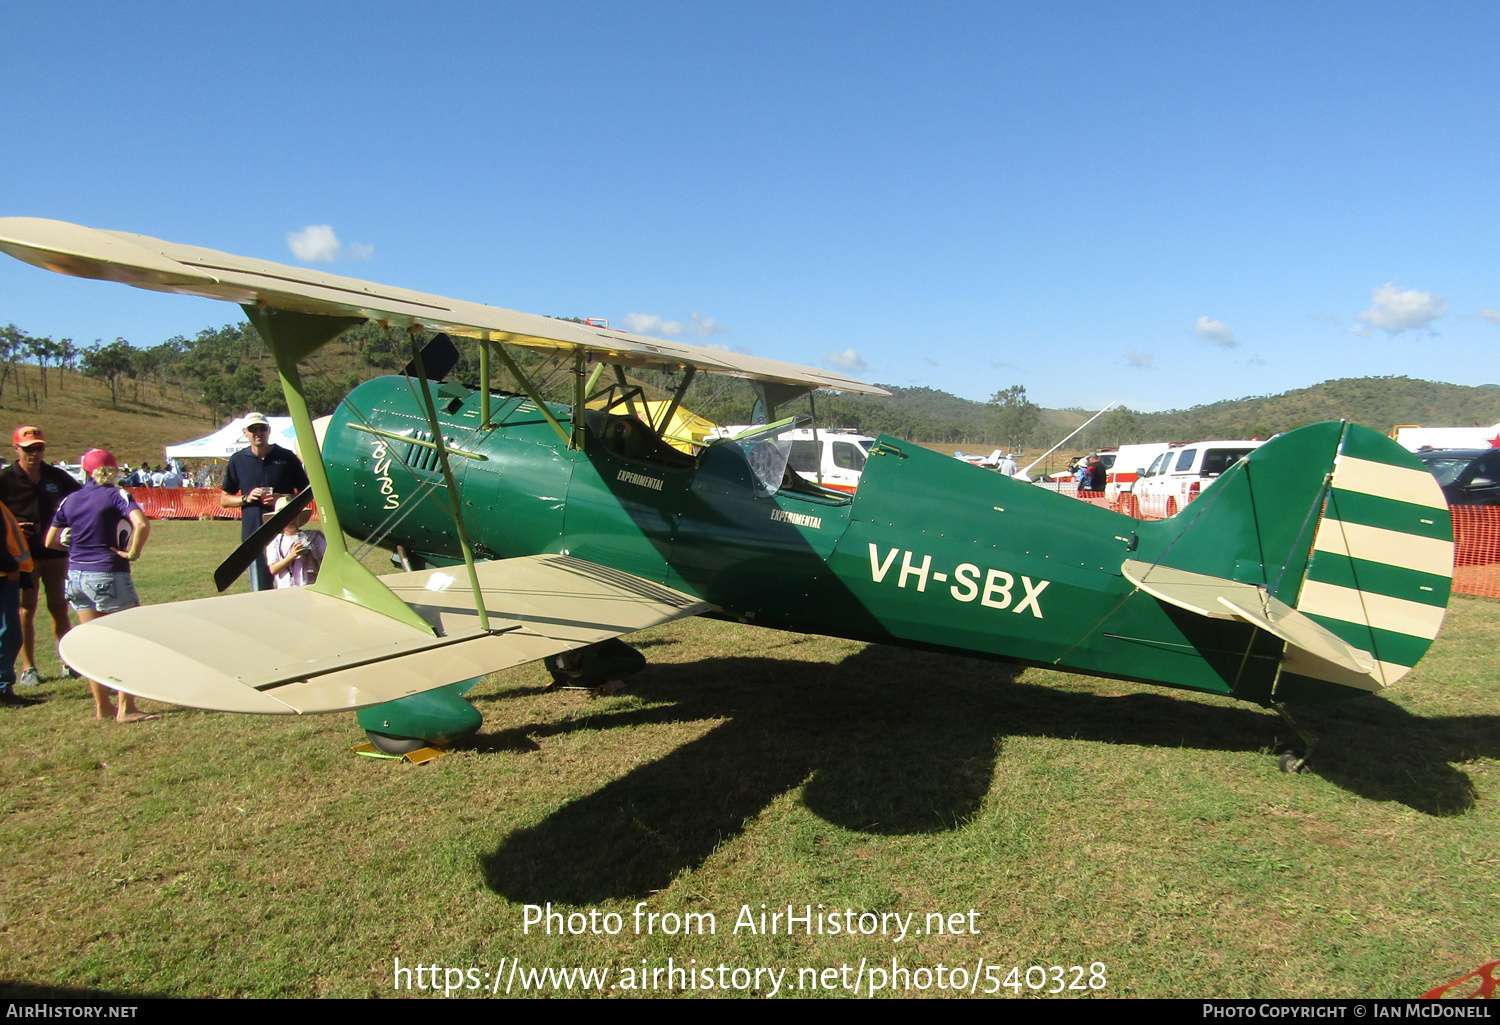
[1332,539]
[1381,568]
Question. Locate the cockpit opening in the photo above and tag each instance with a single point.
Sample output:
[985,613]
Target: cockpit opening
[631,438]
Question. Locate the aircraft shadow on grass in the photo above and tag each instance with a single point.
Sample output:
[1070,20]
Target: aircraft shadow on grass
[908,749]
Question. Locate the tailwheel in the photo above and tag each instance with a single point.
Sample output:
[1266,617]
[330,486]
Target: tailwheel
[1295,761]
[387,743]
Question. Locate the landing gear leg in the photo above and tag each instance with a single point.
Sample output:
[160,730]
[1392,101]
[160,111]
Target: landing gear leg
[605,665]
[1295,761]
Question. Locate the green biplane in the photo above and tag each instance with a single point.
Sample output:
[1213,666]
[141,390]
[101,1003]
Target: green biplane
[1318,567]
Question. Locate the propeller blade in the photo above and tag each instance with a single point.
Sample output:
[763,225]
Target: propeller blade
[439,357]
[240,559]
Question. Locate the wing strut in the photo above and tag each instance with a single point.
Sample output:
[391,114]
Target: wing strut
[528,388]
[291,336]
[628,393]
[453,496]
[580,396]
[666,416]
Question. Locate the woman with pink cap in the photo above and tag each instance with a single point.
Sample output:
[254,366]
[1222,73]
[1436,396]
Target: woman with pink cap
[108,531]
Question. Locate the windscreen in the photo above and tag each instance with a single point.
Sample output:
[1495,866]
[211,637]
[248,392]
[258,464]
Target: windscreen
[767,454]
[1217,460]
[847,456]
[1447,470]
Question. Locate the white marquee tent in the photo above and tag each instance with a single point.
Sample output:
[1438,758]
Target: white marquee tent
[228,440]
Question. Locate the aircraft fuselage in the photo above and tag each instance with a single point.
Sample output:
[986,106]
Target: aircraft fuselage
[930,552]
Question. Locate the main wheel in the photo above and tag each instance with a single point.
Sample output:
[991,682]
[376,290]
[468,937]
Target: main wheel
[1292,763]
[387,743]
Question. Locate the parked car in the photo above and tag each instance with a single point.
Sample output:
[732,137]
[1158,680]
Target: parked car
[1468,476]
[1178,475]
[1127,465]
[842,457]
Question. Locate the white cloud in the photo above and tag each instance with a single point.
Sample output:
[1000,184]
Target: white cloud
[846,360]
[1215,332]
[651,324]
[1393,310]
[317,243]
[1139,360]
[1489,314]
[706,327]
[697,325]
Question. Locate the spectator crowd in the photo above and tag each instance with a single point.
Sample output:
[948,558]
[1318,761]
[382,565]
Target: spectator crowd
[77,542]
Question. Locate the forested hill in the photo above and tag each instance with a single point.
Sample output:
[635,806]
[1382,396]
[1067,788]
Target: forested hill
[1378,402]
[923,414]
[224,371]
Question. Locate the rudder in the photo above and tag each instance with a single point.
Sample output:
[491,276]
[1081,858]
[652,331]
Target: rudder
[1340,524]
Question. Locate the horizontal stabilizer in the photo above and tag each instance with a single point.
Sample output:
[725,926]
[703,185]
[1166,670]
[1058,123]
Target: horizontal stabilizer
[294,650]
[1312,650]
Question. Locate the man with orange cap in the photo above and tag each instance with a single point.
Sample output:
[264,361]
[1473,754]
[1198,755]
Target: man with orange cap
[33,489]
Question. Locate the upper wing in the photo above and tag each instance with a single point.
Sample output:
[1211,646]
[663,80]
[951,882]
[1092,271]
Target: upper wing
[190,270]
[295,650]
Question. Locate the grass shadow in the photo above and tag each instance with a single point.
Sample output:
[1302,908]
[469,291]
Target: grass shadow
[1377,749]
[893,741]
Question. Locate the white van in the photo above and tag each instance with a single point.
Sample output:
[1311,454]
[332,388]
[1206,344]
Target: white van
[1129,461]
[1179,474]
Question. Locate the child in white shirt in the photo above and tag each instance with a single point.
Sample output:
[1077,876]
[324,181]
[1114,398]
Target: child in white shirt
[296,554]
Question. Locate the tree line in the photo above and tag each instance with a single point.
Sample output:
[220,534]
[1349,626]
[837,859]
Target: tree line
[221,372]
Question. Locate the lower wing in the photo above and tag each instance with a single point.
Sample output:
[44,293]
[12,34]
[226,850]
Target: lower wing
[294,650]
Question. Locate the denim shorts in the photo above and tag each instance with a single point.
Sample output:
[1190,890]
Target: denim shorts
[97,591]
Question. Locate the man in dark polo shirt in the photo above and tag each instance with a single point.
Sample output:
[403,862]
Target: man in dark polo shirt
[33,489]
[255,478]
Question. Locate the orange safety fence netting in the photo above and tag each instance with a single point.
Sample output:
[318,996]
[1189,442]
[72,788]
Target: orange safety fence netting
[1476,559]
[182,504]
[185,504]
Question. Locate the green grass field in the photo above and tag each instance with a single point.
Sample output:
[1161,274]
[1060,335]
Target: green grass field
[1083,821]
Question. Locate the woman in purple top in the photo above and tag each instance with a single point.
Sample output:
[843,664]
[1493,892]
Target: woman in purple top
[106,532]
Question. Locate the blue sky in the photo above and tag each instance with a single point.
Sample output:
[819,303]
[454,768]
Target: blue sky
[1157,203]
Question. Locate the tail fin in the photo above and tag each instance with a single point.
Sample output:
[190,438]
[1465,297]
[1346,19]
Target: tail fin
[1345,538]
